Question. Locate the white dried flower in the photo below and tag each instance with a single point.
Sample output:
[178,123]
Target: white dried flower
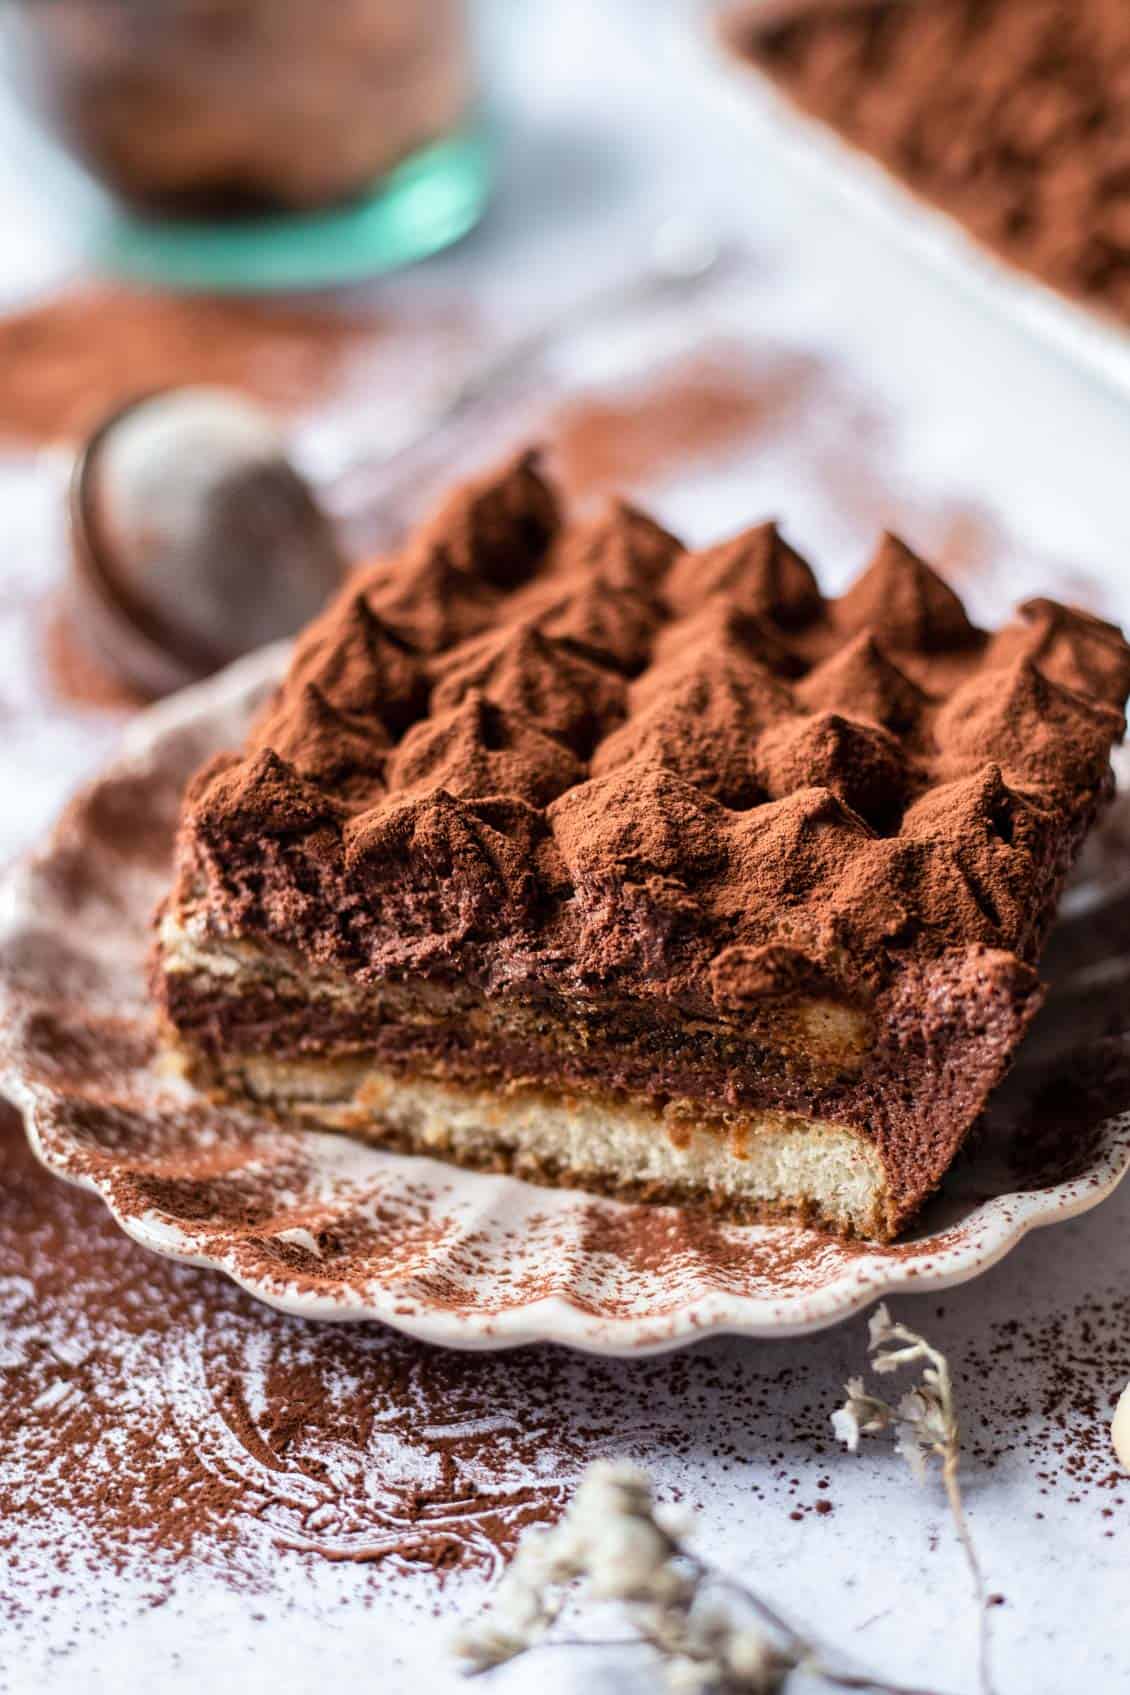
[618,1540]
[926,1427]
[611,1536]
[718,1653]
[524,1606]
[609,1489]
[547,1557]
[751,1661]
[721,1654]
[879,1327]
[675,1522]
[925,1419]
[484,1646]
[629,1560]
[860,1415]
[846,1426]
[684,1676]
[709,1628]
[910,1447]
[626,1549]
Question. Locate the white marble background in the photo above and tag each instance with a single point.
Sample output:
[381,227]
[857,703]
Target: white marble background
[603,136]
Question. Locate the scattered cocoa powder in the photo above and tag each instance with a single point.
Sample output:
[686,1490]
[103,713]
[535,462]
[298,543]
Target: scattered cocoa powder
[155,1414]
[699,408]
[156,1417]
[1063,1371]
[76,675]
[67,360]
[162,1413]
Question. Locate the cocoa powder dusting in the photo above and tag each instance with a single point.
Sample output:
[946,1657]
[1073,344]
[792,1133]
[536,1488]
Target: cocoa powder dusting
[553,698]
[76,675]
[1010,114]
[1063,1371]
[152,1413]
[155,1415]
[67,360]
[549,747]
[700,408]
[157,1418]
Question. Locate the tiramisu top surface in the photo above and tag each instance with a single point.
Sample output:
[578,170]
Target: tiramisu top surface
[531,750]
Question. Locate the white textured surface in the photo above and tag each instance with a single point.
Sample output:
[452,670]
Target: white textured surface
[605,144]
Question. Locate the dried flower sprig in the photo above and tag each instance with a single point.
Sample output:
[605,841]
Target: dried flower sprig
[926,1427]
[712,1635]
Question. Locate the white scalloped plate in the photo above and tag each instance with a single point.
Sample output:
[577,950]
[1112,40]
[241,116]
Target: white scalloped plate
[327,1228]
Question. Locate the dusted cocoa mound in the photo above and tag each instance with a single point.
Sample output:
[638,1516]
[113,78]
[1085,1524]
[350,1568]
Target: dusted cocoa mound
[1012,115]
[545,805]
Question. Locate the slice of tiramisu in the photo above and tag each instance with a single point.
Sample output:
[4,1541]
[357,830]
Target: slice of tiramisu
[566,851]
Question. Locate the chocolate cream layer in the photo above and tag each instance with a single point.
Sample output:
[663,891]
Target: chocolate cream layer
[905,1075]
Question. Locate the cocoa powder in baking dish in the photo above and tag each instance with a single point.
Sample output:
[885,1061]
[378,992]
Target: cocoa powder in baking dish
[1012,115]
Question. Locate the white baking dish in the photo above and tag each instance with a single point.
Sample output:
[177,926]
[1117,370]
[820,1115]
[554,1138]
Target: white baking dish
[1089,338]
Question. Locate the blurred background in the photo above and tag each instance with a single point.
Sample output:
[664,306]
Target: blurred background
[274,271]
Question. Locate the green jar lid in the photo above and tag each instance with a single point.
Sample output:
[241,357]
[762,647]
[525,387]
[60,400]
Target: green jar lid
[429,201]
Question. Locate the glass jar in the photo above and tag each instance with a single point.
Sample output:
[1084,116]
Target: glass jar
[260,142]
